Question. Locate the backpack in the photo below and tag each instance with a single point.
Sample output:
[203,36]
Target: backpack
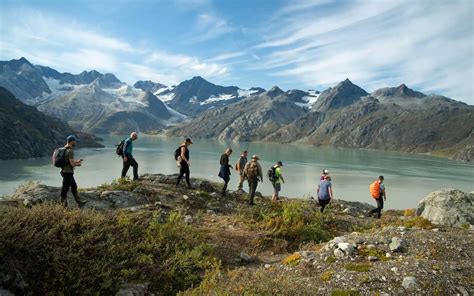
[177,153]
[59,157]
[119,149]
[271,174]
[375,189]
[252,170]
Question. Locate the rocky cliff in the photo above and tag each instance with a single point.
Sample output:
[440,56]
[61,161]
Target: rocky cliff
[27,133]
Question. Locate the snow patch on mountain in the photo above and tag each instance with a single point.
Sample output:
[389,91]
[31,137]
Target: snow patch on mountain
[246,92]
[310,99]
[221,97]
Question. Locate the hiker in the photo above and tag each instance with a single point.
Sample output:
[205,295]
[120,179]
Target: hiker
[128,159]
[324,192]
[325,173]
[183,161]
[67,172]
[276,178]
[239,167]
[224,171]
[377,190]
[253,173]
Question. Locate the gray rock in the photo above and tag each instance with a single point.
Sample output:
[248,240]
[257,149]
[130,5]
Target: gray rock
[188,219]
[122,199]
[371,246]
[462,290]
[347,248]
[397,244]
[246,257]
[409,283]
[339,253]
[308,254]
[373,258]
[134,290]
[449,207]
[185,197]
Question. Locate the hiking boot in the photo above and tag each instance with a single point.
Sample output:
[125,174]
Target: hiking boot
[63,201]
[78,200]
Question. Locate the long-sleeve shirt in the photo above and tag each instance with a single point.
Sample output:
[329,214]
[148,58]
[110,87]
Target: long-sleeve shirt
[128,147]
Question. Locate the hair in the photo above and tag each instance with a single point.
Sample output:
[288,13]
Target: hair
[133,134]
[228,151]
[70,140]
[381,178]
[327,177]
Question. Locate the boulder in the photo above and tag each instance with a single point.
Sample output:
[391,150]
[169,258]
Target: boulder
[409,283]
[122,199]
[448,207]
[397,244]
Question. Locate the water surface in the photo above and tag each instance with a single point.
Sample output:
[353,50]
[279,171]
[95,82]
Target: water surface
[408,177]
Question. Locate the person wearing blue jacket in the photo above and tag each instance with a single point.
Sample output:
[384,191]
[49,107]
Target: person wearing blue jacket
[128,159]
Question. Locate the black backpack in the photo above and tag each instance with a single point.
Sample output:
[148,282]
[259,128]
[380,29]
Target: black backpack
[177,153]
[119,149]
[271,174]
[59,157]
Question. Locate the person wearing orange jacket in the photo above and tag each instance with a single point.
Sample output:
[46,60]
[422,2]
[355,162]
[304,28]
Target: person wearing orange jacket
[377,190]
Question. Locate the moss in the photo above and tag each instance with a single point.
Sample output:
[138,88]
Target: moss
[359,267]
[293,259]
[409,212]
[122,184]
[466,226]
[331,259]
[327,276]
[373,252]
[418,221]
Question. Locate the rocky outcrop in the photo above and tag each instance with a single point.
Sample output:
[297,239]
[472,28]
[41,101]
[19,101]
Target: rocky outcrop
[465,154]
[449,207]
[33,193]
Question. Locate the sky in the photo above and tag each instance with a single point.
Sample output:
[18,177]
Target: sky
[303,44]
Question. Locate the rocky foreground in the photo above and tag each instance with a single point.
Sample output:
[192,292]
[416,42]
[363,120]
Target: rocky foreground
[151,238]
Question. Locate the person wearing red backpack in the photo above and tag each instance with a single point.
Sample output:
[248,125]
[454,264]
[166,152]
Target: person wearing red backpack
[377,190]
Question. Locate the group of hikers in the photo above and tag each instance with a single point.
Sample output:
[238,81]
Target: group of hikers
[250,171]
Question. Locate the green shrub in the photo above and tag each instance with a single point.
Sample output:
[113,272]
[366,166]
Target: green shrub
[327,276]
[296,222]
[63,251]
[122,184]
[360,267]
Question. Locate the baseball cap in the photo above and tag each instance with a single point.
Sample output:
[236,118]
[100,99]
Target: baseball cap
[72,138]
[188,140]
[255,156]
[279,163]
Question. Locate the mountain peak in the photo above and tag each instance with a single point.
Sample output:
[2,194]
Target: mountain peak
[343,94]
[275,91]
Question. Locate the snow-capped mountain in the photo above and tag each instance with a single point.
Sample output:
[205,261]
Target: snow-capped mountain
[194,96]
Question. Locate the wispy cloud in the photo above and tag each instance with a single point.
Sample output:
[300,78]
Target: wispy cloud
[68,46]
[379,43]
[209,26]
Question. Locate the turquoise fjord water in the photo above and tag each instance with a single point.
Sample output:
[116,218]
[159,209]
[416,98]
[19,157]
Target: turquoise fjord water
[408,177]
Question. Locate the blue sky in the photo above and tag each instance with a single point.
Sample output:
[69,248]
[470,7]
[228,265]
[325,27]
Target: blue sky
[305,44]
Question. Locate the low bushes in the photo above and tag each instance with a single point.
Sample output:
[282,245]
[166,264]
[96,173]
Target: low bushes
[63,251]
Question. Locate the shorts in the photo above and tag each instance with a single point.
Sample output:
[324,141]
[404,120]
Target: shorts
[277,187]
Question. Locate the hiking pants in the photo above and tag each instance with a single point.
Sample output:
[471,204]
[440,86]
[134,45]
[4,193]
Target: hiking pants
[184,170]
[323,203]
[241,181]
[253,182]
[379,208]
[126,165]
[68,181]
